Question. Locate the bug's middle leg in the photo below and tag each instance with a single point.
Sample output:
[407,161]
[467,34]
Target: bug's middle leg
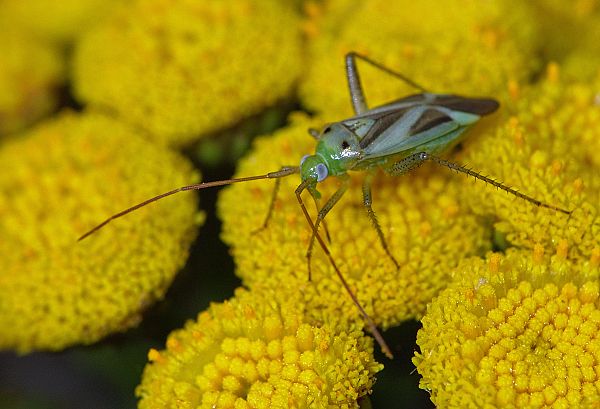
[367,201]
[321,215]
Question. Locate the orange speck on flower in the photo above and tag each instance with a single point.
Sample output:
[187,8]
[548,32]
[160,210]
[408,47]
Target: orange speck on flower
[553,72]
[514,89]
[562,249]
[538,253]
[557,167]
[595,257]
[154,355]
[494,263]
[578,185]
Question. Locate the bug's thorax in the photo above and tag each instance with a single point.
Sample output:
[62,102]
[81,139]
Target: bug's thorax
[339,148]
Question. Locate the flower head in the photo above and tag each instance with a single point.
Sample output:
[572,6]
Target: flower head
[256,351]
[188,68]
[55,21]
[469,47]
[420,216]
[570,30]
[30,75]
[546,150]
[59,180]
[514,331]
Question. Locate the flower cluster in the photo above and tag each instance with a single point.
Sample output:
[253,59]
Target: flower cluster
[515,330]
[160,65]
[545,149]
[30,75]
[571,30]
[60,22]
[256,351]
[56,182]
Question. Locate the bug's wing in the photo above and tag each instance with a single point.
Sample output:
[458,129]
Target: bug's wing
[415,120]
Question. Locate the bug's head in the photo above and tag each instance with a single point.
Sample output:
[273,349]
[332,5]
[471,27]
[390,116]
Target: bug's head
[313,169]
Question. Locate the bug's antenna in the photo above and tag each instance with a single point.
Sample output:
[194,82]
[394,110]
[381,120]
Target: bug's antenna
[459,168]
[283,172]
[372,327]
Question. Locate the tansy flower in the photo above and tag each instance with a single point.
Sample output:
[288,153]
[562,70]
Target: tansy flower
[30,75]
[465,46]
[59,180]
[547,150]
[514,331]
[421,218]
[186,68]
[56,21]
[571,30]
[255,352]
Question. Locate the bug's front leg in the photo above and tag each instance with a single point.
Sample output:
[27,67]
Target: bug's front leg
[367,201]
[345,179]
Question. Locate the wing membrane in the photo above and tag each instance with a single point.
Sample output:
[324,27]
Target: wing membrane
[415,120]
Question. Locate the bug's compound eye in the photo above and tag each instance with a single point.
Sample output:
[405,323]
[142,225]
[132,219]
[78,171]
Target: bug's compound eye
[322,172]
[313,168]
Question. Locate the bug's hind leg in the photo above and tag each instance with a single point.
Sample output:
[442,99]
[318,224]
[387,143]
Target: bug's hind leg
[367,201]
[357,95]
[416,159]
[407,164]
[321,215]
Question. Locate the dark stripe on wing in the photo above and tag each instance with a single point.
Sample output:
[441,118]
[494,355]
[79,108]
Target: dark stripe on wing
[384,121]
[415,99]
[428,120]
[477,106]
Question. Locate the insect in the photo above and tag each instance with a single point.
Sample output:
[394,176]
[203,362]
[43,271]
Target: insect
[396,137]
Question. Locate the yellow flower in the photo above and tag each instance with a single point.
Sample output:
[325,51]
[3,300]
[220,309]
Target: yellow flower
[547,150]
[256,351]
[30,74]
[420,216]
[188,68]
[464,46]
[55,21]
[514,331]
[58,181]
[571,30]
